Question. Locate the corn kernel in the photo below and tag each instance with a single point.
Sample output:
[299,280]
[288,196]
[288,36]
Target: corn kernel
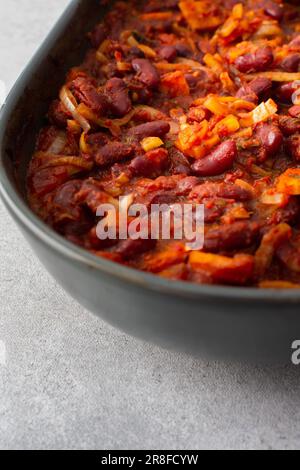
[151,143]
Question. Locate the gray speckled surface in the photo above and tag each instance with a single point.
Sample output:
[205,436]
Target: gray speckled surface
[71,381]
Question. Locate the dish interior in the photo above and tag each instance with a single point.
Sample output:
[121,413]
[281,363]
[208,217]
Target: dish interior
[240,262]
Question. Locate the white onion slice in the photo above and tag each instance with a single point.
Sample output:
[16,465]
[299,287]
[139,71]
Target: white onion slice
[69,101]
[58,144]
[272,198]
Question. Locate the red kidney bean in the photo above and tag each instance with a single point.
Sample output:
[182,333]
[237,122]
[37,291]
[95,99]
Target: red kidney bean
[289,254]
[238,235]
[58,115]
[192,80]
[260,86]
[150,129]
[146,72]
[181,170]
[247,94]
[245,63]
[274,10]
[69,218]
[212,211]
[168,53]
[293,146]
[220,190]
[183,50]
[161,197]
[64,199]
[263,58]
[255,62]
[113,152]
[179,162]
[151,164]
[294,111]
[289,214]
[255,90]
[131,248]
[218,161]
[96,140]
[291,63]
[92,194]
[117,94]
[186,185]
[288,125]
[270,136]
[285,91]
[85,92]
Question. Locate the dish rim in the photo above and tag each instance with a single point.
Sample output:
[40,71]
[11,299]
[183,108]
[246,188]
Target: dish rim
[19,208]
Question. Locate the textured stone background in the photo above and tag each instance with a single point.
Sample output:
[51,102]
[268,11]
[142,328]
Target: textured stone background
[71,381]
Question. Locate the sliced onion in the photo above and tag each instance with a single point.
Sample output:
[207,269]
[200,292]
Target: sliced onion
[275,76]
[72,161]
[124,66]
[193,64]
[273,198]
[112,124]
[268,30]
[84,147]
[69,102]
[257,170]
[58,144]
[151,114]
[101,57]
[245,185]
[123,121]
[49,160]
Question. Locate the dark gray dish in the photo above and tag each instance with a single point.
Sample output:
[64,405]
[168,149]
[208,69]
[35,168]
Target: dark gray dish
[219,321]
